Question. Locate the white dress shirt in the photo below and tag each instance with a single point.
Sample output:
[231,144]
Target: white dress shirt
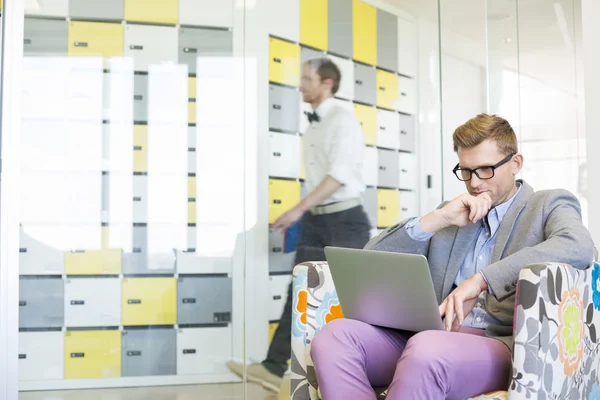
[335,146]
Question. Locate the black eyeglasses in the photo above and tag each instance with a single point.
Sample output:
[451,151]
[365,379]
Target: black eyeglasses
[485,172]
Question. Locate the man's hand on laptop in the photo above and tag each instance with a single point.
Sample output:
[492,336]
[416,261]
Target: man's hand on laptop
[461,301]
[459,212]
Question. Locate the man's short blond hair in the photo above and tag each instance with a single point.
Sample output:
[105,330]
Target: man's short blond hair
[483,127]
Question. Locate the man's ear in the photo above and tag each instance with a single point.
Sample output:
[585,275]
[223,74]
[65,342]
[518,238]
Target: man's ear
[517,163]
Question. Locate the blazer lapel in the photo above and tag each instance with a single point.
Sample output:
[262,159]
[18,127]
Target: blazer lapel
[508,222]
[463,241]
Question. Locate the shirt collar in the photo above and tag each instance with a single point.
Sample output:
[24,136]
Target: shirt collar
[501,209]
[325,107]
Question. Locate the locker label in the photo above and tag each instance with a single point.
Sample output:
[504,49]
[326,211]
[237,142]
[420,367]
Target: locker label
[382,88]
[77,355]
[135,353]
[277,201]
[382,128]
[80,44]
[138,97]
[277,249]
[402,94]
[277,297]
[137,199]
[137,250]
[22,356]
[136,47]
[27,41]
[403,132]
[77,302]
[138,148]
[276,154]
[383,208]
[277,106]
[189,351]
[189,50]
[22,303]
[189,301]
[22,250]
[134,301]
[277,60]
[359,82]
[381,167]
[222,317]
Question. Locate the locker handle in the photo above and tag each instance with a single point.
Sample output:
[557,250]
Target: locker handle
[277,106]
[26,41]
[77,355]
[277,154]
[135,353]
[136,250]
[382,128]
[383,208]
[277,60]
[22,250]
[359,82]
[381,167]
[404,209]
[137,199]
[277,249]
[403,132]
[134,301]
[189,351]
[137,148]
[190,250]
[190,50]
[77,302]
[276,297]
[189,300]
[402,94]
[382,88]
[22,303]
[22,356]
[403,170]
[277,201]
[80,44]
[138,97]
[136,47]
[77,251]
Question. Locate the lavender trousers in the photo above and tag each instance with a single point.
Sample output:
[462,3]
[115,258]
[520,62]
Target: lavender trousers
[351,357]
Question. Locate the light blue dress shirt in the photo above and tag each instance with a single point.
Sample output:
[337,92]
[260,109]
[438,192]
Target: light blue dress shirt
[478,257]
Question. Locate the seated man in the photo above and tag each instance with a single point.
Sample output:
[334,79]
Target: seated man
[476,245]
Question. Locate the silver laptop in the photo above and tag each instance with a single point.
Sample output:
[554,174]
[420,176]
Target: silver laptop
[392,290]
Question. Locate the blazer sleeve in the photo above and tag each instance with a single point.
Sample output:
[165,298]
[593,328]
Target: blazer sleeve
[396,239]
[567,241]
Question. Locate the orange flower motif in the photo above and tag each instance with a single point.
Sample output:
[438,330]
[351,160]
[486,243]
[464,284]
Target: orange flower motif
[570,330]
[302,305]
[335,312]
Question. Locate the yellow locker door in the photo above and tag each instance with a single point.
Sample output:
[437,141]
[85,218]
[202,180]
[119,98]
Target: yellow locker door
[192,112]
[98,39]
[367,116]
[105,261]
[92,354]
[140,148]
[313,23]
[149,301]
[284,62]
[283,195]
[388,207]
[191,187]
[388,90]
[192,88]
[364,32]
[156,11]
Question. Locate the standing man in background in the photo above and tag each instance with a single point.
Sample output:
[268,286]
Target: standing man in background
[332,213]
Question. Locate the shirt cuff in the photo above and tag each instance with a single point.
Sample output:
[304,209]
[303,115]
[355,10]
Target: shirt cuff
[490,291]
[414,230]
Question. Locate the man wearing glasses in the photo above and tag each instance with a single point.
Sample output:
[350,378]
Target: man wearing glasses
[476,244]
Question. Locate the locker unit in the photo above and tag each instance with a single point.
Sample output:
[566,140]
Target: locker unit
[93,262]
[190,262]
[92,354]
[140,98]
[408,139]
[306,53]
[50,8]
[91,9]
[203,350]
[283,195]
[284,104]
[154,11]
[149,352]
[365,84]
[41,356]
[98,39]
[409,205]
[407,102]
[197,42]
[408,173]
[149,301]
[388,168]
[38,258]
[204,300]
[387,90]
[206,13]
[387,40]
[340,28]
[41,302]
[192,112]
[279,260]
[389,207]
[284,62]
[364,32]
[192,87]
[370,204]
[278,289]
[149,44]
[313,23]
[140,149]
[346,89]
[367,116]
[305,109]
[371,167]
[284,155]
[45,37]
[388,129]
[92,302]
[141,260]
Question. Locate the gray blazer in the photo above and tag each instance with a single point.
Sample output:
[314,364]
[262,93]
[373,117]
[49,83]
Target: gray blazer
[538,227]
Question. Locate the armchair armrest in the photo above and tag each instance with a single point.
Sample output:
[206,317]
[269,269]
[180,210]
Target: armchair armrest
[556,347]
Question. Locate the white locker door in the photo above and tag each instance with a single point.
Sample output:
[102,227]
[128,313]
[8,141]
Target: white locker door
[190,262]
[408,171]
[41,356]
[140,199]
[388,129]
[407,47]
[284,155]
[36,257]
[371,166]
[91,302]
[206,13]
[346,90]
[50,8]
[149,44]
[204,350]
[278,287]
[409,205]
[408,95]
[285,22]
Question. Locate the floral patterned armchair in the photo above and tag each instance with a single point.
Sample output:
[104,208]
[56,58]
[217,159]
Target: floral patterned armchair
[556,351]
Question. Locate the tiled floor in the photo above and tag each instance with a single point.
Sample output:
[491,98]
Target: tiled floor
[198,392]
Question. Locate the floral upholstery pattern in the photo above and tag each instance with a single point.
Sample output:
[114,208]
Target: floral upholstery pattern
[557,349]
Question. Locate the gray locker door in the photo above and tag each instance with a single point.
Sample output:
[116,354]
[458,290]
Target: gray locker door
[140,98]
[195,42]
[307,54]
[407,133]
[45,37]
[41,303]
[388,169]
[369,198]
[340,27]
[387,40]
[149,352]
[278,260]
[97,10]
[204,300]
[284,104]
[365,84]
